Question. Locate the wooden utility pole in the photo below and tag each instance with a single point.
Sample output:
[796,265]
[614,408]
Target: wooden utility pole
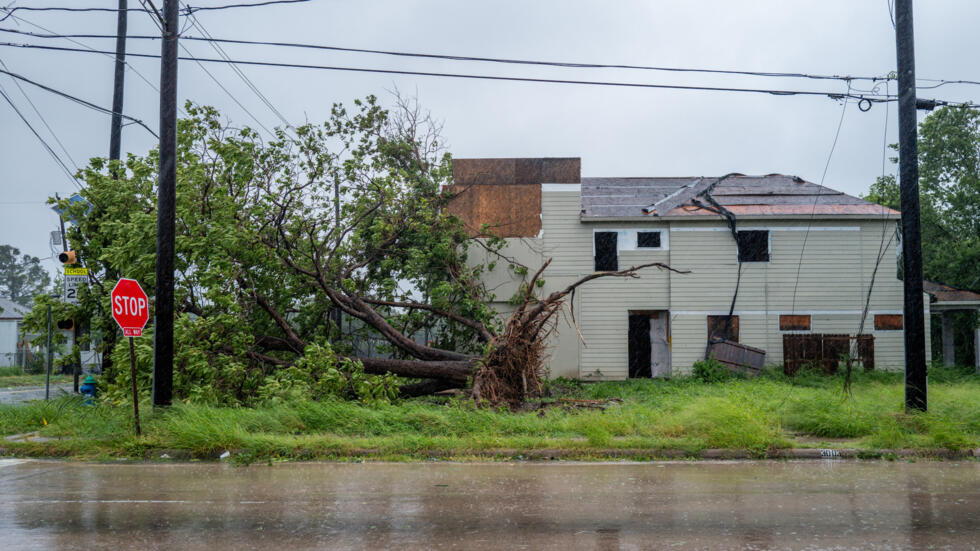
[115,132]
[908,155]
[163,334]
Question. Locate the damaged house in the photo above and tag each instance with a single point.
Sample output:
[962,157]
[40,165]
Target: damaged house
[791,261]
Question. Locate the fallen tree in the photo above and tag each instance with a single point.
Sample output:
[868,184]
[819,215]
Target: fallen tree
[292,252]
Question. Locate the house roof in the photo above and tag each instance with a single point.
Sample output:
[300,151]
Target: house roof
[11,310]
[769,195]
[947,295]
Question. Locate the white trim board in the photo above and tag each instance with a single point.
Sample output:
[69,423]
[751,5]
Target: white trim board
[772,228]
[781,313]
[559,188]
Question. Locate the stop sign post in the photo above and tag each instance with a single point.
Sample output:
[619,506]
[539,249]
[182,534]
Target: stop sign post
[131,310]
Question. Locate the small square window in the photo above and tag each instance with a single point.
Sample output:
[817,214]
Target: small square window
[753,246]
[720,328]
[648,240]
[606,253]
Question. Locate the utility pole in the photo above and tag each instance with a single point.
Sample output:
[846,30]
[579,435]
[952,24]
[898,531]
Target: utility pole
[908,155]
[115,132]
[163,332]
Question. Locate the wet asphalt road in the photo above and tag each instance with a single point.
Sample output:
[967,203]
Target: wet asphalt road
[17,395]
[680,505]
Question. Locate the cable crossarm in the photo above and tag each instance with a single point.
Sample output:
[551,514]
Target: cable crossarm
[875,98]
[80,101]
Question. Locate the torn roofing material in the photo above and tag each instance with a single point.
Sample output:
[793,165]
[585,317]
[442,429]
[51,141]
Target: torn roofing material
[770,195]
[940,293]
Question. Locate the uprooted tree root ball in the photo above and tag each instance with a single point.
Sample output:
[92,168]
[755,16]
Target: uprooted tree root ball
[513,369]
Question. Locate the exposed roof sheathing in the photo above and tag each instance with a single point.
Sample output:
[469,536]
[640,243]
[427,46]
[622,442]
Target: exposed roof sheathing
[770,195]
[506,193]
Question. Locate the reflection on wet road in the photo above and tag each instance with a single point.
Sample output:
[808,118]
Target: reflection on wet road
[731,505]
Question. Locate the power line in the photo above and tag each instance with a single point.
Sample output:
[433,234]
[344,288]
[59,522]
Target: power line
[208,38]
[874,98]
[813,210]
[79,101]
[44,143]
[188,10]
[228,92]
[221,52]
[43,120]
[70,38]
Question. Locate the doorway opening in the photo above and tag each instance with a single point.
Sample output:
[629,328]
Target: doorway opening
[649,344]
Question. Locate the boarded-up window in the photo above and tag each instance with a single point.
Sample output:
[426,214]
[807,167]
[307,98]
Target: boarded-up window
[648,240]
[718,329]
[606,258]
[753,246]
[794,322]
[888,322]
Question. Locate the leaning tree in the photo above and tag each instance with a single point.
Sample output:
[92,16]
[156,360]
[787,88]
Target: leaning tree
[279,240]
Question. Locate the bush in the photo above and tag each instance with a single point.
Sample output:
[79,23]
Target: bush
[319,374]
[710,371]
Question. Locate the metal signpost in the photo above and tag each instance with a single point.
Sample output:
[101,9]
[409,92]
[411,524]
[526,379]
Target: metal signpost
[130,309]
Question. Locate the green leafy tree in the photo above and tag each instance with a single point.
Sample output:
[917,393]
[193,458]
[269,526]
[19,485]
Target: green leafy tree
[949,196]
[21,275]
[263,259]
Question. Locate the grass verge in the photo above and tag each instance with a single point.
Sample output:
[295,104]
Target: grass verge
[654,417]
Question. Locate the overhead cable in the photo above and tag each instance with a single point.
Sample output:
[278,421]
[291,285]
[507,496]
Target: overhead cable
[41,139]
[43,120]
[188,10]
[776,92]
[578,65]
[248,82]
[80,101]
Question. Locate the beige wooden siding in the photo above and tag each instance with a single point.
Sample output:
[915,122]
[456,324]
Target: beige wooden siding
[834,274]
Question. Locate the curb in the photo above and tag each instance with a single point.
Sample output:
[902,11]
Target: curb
[513,454]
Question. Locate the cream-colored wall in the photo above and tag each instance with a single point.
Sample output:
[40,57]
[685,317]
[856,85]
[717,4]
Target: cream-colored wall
[829,283]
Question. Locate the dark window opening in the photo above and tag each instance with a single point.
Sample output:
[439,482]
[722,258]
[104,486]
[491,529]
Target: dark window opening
[794,323]
[606,258]
[753,246]
[717,329]
[648,240]
[888,322]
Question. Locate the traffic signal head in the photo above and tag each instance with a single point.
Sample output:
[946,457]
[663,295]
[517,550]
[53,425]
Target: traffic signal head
[66,325]
[67,257]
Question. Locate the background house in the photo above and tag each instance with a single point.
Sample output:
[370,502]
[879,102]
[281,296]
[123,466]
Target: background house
[802,260]
[11,348]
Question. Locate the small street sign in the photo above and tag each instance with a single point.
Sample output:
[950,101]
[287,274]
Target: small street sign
[74,278]
[130,307]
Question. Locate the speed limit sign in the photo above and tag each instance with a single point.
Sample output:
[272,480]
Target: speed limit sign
[74,278]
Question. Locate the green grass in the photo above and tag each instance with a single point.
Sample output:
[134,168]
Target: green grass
[771,411]
[15,376]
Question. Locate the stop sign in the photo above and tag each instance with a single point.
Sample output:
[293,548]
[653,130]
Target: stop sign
[130,307]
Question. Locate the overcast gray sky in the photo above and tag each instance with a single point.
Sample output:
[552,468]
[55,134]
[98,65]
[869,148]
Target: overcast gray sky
[616,131]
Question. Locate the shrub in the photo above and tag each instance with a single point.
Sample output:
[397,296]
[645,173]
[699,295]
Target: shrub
[710,371]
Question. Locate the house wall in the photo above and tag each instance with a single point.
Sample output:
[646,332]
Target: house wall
[8,341]
[829,282]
